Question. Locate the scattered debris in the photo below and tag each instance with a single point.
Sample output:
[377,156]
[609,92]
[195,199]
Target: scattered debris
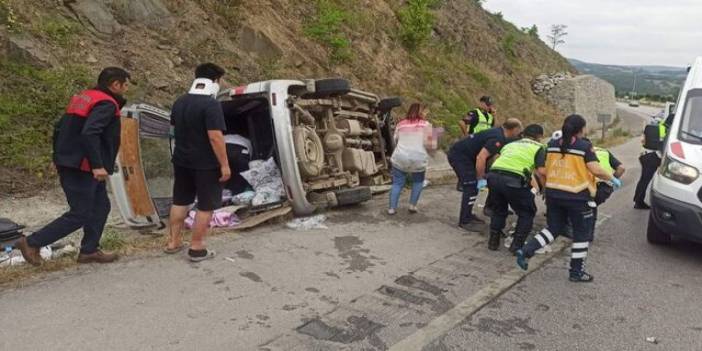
[652,340]
[230,259]
[307,223]
[263,217]
[14,257]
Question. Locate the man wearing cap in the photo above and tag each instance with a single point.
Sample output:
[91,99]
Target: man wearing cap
[479,119]
[468,158]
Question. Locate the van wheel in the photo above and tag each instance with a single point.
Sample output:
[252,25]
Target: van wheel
[388,104]
[309,151]
[654,234]
[330,87]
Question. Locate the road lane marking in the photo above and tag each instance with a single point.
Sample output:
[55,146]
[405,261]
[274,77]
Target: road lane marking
[449,320]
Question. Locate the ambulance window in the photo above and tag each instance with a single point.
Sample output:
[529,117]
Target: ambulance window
[691,123]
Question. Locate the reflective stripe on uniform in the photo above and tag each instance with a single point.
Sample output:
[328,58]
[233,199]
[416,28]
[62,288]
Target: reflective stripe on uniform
[547,234]
[582,254]
[581,245]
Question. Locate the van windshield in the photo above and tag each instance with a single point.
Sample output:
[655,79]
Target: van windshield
[691,124]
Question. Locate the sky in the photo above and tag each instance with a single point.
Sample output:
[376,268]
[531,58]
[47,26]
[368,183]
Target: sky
[624,32]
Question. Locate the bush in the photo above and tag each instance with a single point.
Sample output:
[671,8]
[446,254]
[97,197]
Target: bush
[416,22]
[58,30]
[31,100]
[508,45]
[326,28]
[7,16]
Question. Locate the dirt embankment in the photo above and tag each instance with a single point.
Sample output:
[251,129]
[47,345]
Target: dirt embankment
[446,53]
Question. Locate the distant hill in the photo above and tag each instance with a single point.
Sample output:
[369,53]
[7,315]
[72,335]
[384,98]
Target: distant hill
[651,80]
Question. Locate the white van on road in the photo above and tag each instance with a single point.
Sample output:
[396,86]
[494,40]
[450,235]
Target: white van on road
[331,143]
[676,190]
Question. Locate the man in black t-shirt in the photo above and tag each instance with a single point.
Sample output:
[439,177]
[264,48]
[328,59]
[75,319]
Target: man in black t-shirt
[468,158]
[200,164]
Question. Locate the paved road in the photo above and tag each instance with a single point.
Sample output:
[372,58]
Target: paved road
[639,291]
[373,282]
[634,118]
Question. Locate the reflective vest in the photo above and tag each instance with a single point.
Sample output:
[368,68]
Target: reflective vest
[82,103]
[518,157]
[568,172]
[603,158]
[80,106]
[485,121]
[662,129]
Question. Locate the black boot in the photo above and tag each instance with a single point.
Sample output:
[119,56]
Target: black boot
[494,240]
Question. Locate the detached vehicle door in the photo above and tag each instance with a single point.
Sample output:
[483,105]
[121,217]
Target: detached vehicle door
[144,128]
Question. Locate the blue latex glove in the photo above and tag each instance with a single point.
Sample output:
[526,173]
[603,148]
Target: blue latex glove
[482,183]
[616,183]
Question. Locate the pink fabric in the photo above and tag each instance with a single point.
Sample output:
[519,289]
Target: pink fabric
[406,125]
[220,219]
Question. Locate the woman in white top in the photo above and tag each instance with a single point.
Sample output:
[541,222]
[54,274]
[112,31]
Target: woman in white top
[413,136]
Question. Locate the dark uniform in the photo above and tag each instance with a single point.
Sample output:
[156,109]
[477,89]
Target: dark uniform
[650,161]
[462,157]
[569,188]
[87,137]
[509,182]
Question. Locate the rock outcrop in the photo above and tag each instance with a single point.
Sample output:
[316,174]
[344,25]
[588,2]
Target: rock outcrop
[585,95]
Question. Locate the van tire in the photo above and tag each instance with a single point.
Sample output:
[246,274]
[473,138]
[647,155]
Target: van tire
[330,87]
[309,151]
[654,234]
[388,104]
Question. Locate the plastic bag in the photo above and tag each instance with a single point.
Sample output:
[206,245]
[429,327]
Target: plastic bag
[307,223]
[243,198]
[266,180]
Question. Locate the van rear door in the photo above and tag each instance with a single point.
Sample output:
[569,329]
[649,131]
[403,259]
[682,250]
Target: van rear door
[129,182]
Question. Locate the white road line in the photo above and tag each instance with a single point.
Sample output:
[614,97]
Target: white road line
[447,321]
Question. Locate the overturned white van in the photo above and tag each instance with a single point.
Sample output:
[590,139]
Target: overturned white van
[331,143]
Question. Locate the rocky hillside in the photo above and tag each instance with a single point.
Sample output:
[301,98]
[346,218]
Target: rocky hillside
[443,52]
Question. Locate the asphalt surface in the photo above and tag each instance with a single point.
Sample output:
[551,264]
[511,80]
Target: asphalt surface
[374,282]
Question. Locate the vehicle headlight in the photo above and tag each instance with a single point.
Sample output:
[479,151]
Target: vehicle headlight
[679,171]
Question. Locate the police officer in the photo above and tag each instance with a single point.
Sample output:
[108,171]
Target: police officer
[570,169]
[509,182]
[468,158]
[86,140]
[479,119]
[650,160]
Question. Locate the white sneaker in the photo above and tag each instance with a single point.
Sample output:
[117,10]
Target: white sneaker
[412,209]
[391,211]
[508,241]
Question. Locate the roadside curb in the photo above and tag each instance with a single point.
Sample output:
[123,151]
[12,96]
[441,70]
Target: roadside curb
[447,321]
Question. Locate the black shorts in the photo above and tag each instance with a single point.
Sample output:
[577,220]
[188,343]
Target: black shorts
[204,184]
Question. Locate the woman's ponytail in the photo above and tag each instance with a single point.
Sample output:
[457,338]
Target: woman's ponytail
[572,126]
